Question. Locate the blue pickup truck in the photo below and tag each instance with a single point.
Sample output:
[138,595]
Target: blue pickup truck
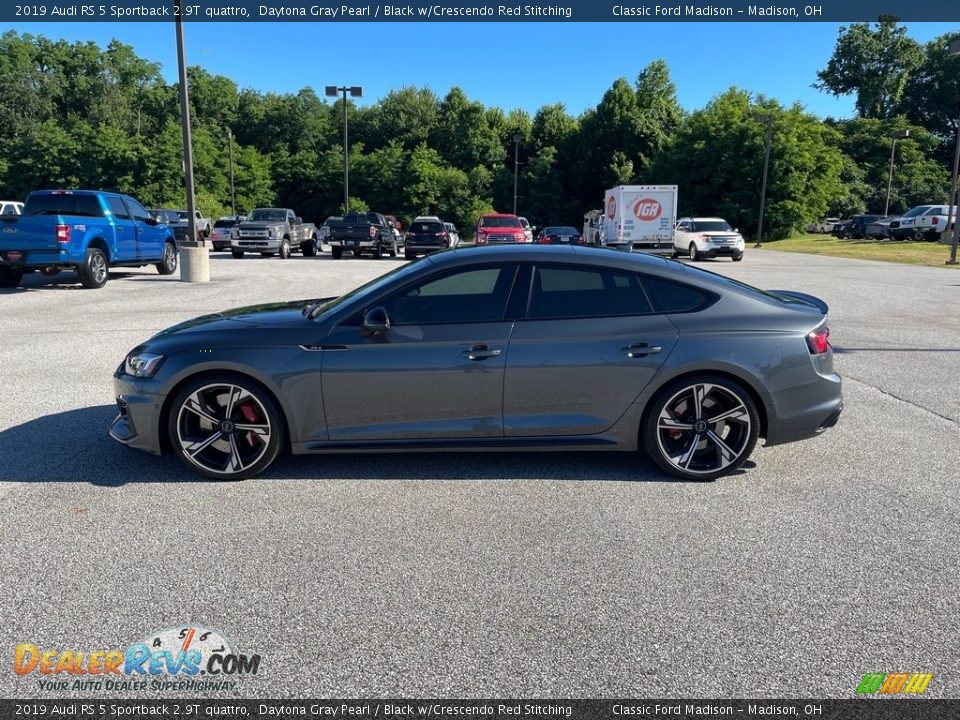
[89,231]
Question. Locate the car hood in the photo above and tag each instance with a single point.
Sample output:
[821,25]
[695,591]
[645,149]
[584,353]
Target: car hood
[259,225]
[269,315]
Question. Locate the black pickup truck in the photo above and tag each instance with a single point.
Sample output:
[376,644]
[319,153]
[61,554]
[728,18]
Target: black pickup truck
[363,232]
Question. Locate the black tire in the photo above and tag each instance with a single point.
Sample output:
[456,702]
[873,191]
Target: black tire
[238,254]
[674,254]
[393,249]
[409,255]
[284,249]
[10,278]
[168,265]
[378,250]
[918,235]
[309,248]
[692,252]
[233,420]
[336,252]
[738,258]
[94,269]
[357,253]
[671,434]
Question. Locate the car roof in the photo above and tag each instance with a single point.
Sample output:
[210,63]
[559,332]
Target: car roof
[507,215]
[696,219]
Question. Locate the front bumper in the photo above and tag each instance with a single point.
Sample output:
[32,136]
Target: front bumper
[722,251]
[137,424]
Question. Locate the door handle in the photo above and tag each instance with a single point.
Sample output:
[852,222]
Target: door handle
[640,349]
[479,352]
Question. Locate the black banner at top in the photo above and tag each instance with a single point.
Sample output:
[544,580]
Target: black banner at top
[628,11]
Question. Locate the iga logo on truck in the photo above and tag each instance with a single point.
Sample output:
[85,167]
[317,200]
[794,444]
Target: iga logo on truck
[612,207]
[647,209]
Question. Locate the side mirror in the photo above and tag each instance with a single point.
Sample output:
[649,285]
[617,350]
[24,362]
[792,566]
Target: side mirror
[376,320]
[157,219]
[298,221]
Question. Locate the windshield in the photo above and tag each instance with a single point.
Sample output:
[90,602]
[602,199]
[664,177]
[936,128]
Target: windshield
[183,214]
[268,216]
[224,223]
[500,222]
[426,227]
[712,226]
[65,203]
[369,287]
[917,211]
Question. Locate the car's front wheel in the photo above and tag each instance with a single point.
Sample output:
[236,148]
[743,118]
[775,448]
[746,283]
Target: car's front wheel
[225,426]
[702,427]
[238,254]
[168,263]
[692,252]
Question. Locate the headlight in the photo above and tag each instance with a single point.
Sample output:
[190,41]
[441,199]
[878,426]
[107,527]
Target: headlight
[270,232]
[142,365]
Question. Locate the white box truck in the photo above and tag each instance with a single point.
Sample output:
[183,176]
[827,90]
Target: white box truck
[640,217]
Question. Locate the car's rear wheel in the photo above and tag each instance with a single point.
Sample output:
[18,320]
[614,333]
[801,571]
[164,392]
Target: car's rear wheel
[692,252]
[226,427]
[309,248]
[94,269]
[10,278]
[702,427]
[377,250]
[168,264]
[337,252]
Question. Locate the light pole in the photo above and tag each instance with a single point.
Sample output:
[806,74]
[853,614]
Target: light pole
[233,198]
[195,265]
[898,135]
[953,212]
[516,168]
[768,121]
[355,91]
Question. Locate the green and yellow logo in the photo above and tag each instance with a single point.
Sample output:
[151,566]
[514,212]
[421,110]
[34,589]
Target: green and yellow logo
[894,683]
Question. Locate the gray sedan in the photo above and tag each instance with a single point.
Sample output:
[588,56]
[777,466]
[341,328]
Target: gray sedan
[513,348]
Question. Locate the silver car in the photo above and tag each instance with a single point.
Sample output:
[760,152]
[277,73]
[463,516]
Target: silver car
[516,347]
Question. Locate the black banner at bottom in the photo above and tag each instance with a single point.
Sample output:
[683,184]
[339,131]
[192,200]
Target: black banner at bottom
[189,709]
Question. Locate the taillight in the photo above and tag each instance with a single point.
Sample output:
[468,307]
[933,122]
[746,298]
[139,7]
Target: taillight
[935,220]
[580,240]
[441,234]
[819,341]
[63,234]
[373,231]
[545,240]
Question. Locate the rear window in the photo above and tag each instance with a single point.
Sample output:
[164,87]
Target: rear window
[426,227]
[916,211]
[63,204]
[224,223]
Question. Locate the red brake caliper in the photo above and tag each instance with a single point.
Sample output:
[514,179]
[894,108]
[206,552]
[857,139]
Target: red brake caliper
[250,415]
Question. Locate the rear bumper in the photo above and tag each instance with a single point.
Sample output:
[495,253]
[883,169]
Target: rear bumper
[29,259]
[805,411]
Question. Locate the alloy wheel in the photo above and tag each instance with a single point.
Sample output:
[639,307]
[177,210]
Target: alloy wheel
[704,429]
[224,429]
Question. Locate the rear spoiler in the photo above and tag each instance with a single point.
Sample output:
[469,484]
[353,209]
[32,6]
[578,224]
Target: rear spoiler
[802,298]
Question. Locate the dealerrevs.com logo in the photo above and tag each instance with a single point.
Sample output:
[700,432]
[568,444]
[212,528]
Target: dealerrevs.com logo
[168,659]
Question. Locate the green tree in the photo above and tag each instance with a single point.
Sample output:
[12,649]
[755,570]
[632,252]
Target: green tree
[875,63]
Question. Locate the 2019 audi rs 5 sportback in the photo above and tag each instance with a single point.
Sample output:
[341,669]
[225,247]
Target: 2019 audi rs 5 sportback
[517,348]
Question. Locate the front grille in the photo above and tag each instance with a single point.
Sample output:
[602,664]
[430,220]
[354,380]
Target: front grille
[501,238]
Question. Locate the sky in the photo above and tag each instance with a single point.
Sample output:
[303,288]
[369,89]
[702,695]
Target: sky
[518,65]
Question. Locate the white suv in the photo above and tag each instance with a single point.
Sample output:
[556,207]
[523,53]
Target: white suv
[703,237]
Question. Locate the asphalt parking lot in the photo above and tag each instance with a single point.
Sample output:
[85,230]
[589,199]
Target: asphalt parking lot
[474,575]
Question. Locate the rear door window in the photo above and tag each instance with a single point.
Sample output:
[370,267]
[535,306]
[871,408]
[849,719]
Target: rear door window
[117,208]
[580,292]
[674,297]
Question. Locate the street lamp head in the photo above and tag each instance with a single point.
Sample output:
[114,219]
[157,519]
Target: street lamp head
[900,134]
[762,118]
[517,139]
[228,134]
[330,90]
[356,91]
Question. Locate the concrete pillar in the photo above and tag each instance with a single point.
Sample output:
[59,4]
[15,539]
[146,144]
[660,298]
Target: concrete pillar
[194,264]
